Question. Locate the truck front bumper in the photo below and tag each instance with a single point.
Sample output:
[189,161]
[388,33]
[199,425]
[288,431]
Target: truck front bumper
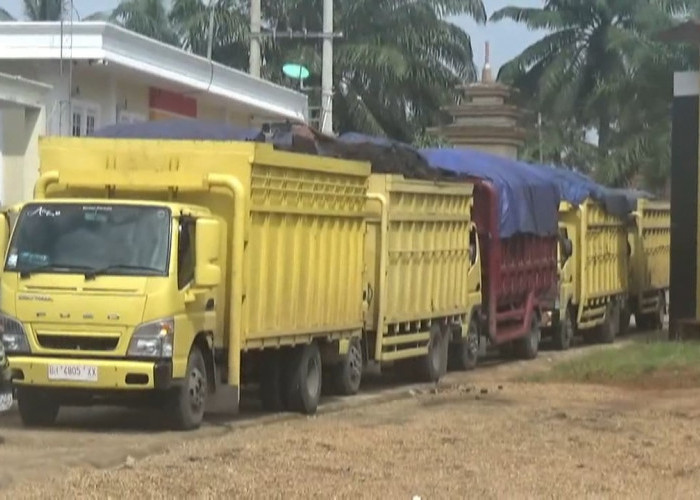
[110,374]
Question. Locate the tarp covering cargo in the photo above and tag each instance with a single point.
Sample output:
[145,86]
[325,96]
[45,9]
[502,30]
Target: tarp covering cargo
[183,128]
[385,156]
[529,198]
[575,188]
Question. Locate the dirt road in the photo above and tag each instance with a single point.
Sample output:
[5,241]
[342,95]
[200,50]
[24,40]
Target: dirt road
[514,440]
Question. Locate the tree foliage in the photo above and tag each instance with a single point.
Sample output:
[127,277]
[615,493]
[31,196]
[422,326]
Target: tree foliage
[599,66]
[396,65]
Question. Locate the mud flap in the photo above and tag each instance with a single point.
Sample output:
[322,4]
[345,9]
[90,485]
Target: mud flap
[223,401]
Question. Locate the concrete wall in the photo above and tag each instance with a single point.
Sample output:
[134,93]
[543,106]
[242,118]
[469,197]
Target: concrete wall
[110,91]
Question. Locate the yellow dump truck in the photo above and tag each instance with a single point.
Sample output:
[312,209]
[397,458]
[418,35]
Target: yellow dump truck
[170,272]
[594,271]
[649,266]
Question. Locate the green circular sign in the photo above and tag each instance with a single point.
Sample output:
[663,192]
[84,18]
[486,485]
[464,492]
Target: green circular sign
[295,71]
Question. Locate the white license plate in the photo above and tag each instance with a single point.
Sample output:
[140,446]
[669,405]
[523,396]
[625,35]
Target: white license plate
[75,373]
[5,401]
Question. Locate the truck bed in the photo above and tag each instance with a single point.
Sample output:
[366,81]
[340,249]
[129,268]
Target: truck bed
[519,273]
[428,272]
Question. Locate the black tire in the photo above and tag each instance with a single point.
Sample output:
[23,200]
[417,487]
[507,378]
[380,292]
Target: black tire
[433,365]
[271,373]
[347,375]
[656,319]
[36,408]
[188,402]
[564,333]
[464,354]
[611,324]
[304,379]
[528,346]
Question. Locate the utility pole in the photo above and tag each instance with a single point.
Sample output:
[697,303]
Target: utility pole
[210,34]
[255,22]
[539,134]
[327,70]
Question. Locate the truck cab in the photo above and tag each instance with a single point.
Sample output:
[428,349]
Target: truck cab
[105,299]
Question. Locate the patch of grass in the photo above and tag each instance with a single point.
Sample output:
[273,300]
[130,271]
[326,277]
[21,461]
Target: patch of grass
[645,365]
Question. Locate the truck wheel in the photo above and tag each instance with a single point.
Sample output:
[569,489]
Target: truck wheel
[656,319]
[625,316]
[564,333]
[464,354]
[347,374]
[189,400]
[271,374]
[303,389]
[36,408]
[433,365]
[611,324]
[528,346]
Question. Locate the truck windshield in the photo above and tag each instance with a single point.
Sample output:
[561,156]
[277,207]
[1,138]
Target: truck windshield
[87,238]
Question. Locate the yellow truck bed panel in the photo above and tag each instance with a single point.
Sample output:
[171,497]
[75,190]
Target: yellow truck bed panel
[303,221]
[604,253]
[651,244]
[427,265]
[304,261]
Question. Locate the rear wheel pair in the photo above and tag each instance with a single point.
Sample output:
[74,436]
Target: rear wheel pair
[291,379]
[653,320]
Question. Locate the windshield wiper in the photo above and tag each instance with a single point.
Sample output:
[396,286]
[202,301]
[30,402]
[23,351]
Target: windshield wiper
[93,272]
[27,272]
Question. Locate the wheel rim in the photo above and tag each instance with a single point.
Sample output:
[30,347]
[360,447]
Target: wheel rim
[535,334]
[197,390]
[313,377]
[662,307]
[472,341]
[435,352]
[569,327]
[354,363]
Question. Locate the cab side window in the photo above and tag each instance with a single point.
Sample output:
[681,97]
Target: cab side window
[186,249]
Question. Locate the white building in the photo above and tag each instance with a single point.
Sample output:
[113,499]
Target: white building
[69,79]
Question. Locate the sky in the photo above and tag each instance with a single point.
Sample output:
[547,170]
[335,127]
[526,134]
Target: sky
[507,39]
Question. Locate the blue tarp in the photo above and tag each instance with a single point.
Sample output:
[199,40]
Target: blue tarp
[576,187]
[529,198]
[187,129]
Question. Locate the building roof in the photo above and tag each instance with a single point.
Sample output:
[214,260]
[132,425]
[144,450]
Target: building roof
[88,40]
[688,31]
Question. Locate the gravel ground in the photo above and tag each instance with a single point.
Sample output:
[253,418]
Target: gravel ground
[476,435]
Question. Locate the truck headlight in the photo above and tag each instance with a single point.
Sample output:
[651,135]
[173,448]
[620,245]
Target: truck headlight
[13,335]
[153,339]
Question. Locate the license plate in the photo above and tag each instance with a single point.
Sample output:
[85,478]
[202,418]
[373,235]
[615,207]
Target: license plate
[74,373]
[5,401]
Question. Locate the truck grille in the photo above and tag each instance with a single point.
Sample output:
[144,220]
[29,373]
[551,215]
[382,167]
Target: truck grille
[77,342]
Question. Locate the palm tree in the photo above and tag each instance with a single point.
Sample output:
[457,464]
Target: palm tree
[191,19]
[397,63]
[39,10]
[592,51]
[48,10]
[147,17]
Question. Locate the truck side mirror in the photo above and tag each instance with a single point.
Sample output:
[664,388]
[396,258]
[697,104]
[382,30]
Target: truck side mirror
[207,271]
[4,234]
